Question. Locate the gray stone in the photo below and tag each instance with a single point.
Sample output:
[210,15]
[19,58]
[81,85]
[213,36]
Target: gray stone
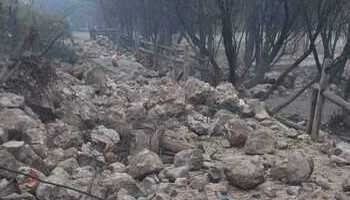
[7,187]
[116,181]
[260,142]
[49,192]
[27,156]
[192,158]
[200,124]
[259,90]
[198,181]
[346,184]
[245,172]
[117,167]
[69,165]
[215,174]
[269,190]
[131,70]
[323,182]
[13,146]
[220,119]
[10,100]
[162,196]
[293,190]
[62,135]
[9,161]
[339,160]
[259,109]
[340,196]
[296,169]
[227,97]
[246,111]
[3,136]
[281,144]
[213,191]
[23,127]
[172,173]
[104,137]
[150,184]
[144,163]
[15,196]
[123,195]
[199,92]
[237,132]
[96,77]
[88,155]
[54,157]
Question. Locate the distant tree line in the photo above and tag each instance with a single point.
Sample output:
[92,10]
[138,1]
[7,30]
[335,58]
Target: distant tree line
[255,33]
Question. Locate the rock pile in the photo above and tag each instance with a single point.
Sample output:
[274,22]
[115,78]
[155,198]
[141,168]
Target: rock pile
[123,132]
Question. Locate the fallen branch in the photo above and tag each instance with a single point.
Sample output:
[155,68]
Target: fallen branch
[336,100]
[50,183]
[281,78]
[292,98]
[289,123]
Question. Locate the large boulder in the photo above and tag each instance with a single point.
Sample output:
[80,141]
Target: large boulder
[113,182]
[75,106]
[237,132]
[177,140]
[227,97]
[199,92]
[22,127]
[89,156]
[220,119]
[63,135]
[296,169]
[259,108]
[69,165]
[245,172]
[104,138]
[48,192]
[28,156]
[200,124]
[163,98]
[260,142]
[144,163]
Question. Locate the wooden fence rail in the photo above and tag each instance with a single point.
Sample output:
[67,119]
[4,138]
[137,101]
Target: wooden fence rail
[321,93]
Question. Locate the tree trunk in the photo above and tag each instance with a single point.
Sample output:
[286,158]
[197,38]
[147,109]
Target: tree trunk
[229,43]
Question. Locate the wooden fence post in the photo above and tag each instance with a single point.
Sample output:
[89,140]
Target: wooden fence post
[312,110]
[320,100]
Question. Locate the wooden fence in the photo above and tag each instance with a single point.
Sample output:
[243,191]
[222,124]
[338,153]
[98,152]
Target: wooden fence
[320,93]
